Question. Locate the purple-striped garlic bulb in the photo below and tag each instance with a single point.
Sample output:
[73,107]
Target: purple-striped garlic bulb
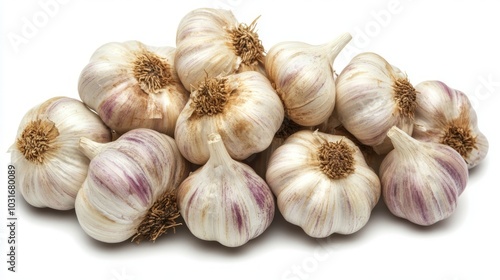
[421,181]
[304,78]
[445,115]
[323,183]
[225,200]
[373,96]
[132,85]
[130,189]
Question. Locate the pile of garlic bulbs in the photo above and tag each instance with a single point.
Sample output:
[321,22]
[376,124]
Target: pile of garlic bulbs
[218,134]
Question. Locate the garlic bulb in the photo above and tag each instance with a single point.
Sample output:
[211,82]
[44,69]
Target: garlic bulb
[225,200]
[243,108]
[322,183]
[211,43]
[131,85]
[421,181]
[373,96]
[49,165]
[304,78]
[445,115]
[130,187]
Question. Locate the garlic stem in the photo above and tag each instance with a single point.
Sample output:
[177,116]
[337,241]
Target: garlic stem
[401,140]
[217,150]
[334,47]
[90,148]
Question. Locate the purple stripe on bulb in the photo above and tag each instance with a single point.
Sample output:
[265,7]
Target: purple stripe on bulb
[449,91]
[258,189]
[139,186]
[419,202]
[190,201]
[107,108]
[459,176]
[237,215]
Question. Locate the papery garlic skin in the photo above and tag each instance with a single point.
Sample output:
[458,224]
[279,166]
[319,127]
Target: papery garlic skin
[445,115]
[309,197]
[211,42]
[126,177]
[243,108]
[421,181]
[373,96]
[50,167]
[225,200]
[303,76]
[132,85]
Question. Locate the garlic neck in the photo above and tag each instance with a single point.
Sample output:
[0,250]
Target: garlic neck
[402,141]
[36,140]
[90,148]
[218,152]
[334,47]
[151,72]
[246,43]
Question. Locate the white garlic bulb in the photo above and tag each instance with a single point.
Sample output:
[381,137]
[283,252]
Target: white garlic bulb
[445,115]
[50,167]
[211,43]
[322,183]
[130,187]
[373,96]
[225,200]
[132,85]
[244,108]
[421,181]
[303,76]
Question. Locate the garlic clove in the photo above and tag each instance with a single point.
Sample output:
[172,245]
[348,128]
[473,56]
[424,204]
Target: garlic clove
[211,43]
[50,167]
[445,115]
[132,85]
[225,200]
[243,108]
[421,181]
[373,96]
[303,76]
[322,183]
[130,188]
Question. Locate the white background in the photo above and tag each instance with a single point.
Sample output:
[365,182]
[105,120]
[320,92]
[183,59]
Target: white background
[453,41]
